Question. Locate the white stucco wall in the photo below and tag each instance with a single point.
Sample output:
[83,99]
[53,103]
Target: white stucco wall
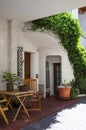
[82,19]
[3,49]
[75,13]
[35,67]
[11,37]
[34,64]
[19,40]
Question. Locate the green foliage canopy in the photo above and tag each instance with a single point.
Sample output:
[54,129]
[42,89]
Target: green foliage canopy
[69,31]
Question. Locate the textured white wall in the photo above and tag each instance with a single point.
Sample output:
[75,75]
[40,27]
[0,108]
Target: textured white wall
[19,40]
[82,19]
[75,13]
[3,49]
[53,59]
[11,37]
[35,66]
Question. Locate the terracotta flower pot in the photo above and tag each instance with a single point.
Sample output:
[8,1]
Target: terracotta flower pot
[64,92]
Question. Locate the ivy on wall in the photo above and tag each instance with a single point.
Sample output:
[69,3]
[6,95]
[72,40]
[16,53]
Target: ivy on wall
[69,31]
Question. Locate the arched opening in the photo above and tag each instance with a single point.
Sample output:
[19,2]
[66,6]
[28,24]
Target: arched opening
[53,74]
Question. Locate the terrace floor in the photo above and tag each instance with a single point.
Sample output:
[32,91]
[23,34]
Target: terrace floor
[49,105]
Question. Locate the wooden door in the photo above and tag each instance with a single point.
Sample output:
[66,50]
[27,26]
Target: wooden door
[27,65]
[57,76]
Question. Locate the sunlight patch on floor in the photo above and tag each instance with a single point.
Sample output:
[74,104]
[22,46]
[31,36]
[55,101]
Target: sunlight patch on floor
[70,119]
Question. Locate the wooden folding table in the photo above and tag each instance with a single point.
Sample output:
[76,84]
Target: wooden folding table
[21,96]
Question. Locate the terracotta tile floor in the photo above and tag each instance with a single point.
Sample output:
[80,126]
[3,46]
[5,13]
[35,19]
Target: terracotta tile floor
[49,106]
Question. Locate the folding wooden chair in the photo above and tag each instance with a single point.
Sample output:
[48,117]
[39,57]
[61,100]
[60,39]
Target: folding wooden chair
[3,109]
[35,99]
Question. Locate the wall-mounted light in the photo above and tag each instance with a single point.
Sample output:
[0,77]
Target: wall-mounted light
[37,75]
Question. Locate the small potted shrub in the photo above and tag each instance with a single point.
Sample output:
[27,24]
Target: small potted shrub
[10,79]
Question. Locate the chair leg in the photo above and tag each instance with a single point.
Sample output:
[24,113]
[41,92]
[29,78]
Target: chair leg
[5,118]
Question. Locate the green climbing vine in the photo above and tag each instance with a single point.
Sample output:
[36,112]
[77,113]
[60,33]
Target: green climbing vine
[69,31]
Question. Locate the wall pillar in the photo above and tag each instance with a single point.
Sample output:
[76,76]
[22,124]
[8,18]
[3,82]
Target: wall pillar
[35,67]
[9,44]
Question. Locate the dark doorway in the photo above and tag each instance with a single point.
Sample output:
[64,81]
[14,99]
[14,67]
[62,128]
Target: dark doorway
[57,76]
[27,65]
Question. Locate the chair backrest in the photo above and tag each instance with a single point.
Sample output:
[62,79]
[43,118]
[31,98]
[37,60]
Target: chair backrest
[32,84]
[3,108]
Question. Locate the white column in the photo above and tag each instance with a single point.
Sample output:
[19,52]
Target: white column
[35,66]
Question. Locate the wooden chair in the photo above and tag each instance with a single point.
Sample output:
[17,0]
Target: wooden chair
[32,84]
[3,108]
[35,99]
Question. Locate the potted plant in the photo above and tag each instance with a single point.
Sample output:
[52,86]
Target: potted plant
[23,86]
[10,79]
[64,90]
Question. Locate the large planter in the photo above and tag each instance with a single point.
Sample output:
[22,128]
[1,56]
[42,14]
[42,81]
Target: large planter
[64,92]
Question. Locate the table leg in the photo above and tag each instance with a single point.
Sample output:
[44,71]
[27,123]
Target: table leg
[5,118]
[9,104]
[21,105]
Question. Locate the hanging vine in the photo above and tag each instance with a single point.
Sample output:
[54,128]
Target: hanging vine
[69,31]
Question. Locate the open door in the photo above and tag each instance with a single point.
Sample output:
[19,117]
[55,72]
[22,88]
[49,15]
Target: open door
[57,76]
[27,65]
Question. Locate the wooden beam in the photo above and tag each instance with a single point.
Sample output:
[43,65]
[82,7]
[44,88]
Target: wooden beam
[82,10]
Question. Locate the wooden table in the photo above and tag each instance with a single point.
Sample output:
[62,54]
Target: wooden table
[21,96]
